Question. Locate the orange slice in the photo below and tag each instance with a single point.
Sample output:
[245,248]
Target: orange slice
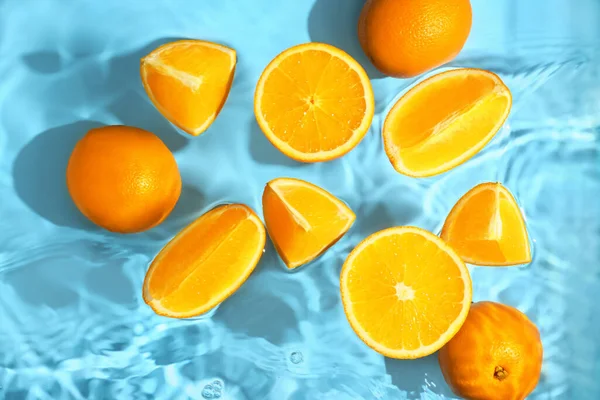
[405,292]
[188,81]
[444,121]
[486,227]
[205,263]
[303,220]
[314,102]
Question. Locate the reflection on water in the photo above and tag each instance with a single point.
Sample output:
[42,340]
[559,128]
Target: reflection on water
[72,321]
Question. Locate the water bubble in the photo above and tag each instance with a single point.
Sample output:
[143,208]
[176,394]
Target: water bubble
[213,390]
[208,392]
[217,384]
[296,357]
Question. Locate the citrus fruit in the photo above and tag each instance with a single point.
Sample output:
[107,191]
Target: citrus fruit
[303,220]
[405,38]
[497,354]
[405,292]
[123,179]
[206,262]
[314,102]
[188,81]
[445,120]
[486,227]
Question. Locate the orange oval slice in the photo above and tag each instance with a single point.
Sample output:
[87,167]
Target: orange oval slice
[486,227]
[314,102]
[444,121]
[205,263]
[188,81]
[405,292]
[303,220]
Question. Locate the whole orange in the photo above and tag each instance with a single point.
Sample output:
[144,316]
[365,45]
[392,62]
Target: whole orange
[496,355]
[124,179]
[405,38]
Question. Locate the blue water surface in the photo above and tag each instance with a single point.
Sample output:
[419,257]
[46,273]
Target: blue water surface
[73,324]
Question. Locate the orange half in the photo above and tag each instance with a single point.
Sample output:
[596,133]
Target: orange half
[314,102]
[303,220]
[486,227]
[205,263]
[188,81]
[405,292]
[444,121]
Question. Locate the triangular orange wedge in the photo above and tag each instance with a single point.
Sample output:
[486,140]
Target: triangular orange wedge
[314,102]
[445,120]
[205,263]
[303,220]
[486,227]
[188,81]
[405,292]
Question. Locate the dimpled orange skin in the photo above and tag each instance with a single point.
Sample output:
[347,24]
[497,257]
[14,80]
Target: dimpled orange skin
[405,38]
[123,179]
[496,355]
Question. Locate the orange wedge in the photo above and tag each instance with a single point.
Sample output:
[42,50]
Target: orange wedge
[205,263]
[486,227]
[444,121]
[314,102]
[188,81]
[405,292]
[303,220]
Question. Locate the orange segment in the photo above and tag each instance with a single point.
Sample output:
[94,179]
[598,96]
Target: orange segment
[314,102]
[188,81]
[444,121]
[206,262]
[486,227]
[405,292]
[303,220]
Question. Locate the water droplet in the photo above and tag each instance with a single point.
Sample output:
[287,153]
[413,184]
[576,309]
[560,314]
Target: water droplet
[296,357]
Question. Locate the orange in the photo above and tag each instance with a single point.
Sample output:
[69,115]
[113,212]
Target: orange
[314,102]
[124,179]
[303,220]
[496,355]
[205,263]
[405,292]
[486,227]
[405,38]
[188,81]
[444,121]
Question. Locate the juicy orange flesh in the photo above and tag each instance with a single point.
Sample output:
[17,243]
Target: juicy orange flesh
[303,222]
[313,101]
[205,261]
[190,82]
[489,228]
[391,270]
[445,118]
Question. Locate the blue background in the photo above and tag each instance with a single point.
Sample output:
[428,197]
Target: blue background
[72,321]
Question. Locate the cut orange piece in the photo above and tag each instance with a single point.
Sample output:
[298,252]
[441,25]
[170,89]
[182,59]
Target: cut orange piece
[486,227]
[314,102]
[303,220]
[405,292]
[444,121]
[205,263]
[188,81]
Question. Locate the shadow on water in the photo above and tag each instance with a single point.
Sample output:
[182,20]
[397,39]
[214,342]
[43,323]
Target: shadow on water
[263,151]
[413,375]
[133,108]
[277,320]
[335,22]
[39,174]
[43,62]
